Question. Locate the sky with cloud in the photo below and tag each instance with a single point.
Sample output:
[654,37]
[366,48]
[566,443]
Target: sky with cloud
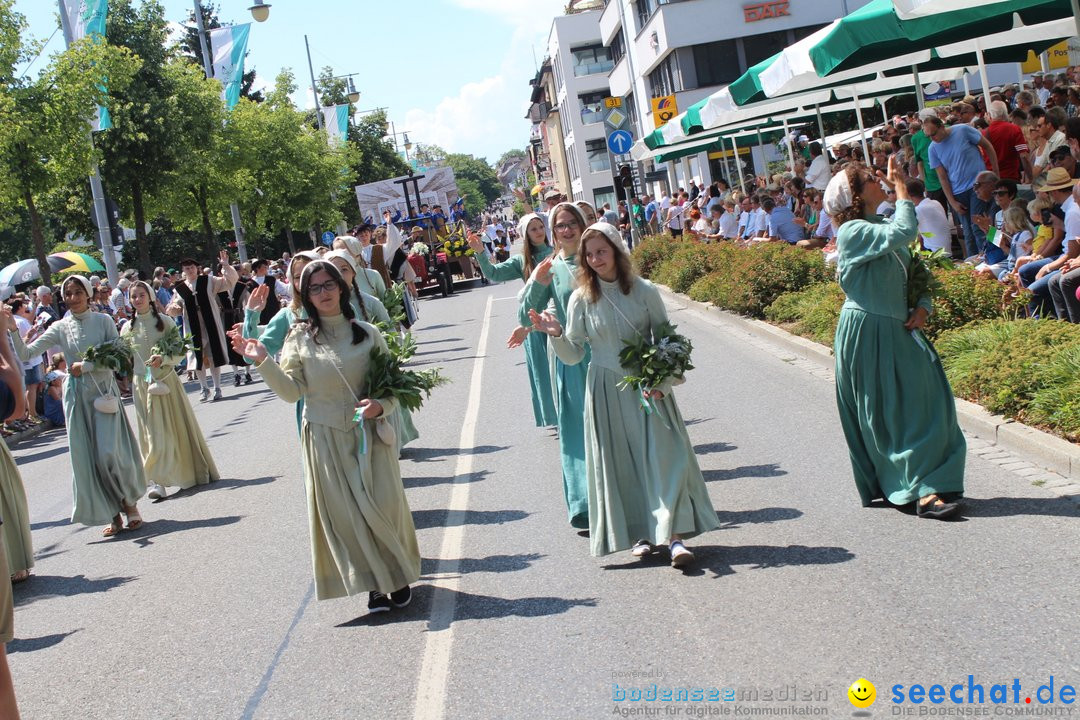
[450,72]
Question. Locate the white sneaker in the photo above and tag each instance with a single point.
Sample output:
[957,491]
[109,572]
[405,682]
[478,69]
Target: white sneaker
[642,548]
[680,556]
[157,492]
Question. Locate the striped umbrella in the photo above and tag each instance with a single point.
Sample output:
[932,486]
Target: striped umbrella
[65,262]
[20,272]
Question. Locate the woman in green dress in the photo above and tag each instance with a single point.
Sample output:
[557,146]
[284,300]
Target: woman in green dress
[552,282]
[895,404]
[174,451]
[105,460]
[535,249]
[644,479]
[368,280]
[15,515]
[362,533]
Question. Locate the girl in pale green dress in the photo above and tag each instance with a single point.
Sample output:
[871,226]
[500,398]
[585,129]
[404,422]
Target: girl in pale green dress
[534,250]
[105,460]
[18,545]
[895,404]
[368,280]
[174,451]
[643,477]
[362,533]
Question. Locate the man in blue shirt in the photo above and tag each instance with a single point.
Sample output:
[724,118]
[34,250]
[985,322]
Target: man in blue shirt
[954,155]
[651,209]
[781,222]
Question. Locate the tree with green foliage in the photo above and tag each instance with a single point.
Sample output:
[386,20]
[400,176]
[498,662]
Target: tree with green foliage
[193,193]
[44,122]
[139,151]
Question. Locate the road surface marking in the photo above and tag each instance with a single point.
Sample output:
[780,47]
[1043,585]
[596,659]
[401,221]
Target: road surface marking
[435,665]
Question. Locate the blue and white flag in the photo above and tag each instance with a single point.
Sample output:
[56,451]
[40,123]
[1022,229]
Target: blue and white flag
[228,46]
[87,17]
[336,122]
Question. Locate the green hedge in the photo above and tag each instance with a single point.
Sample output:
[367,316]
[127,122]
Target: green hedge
[1025,369]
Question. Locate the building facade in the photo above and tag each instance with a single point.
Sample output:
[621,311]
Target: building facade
[689,49]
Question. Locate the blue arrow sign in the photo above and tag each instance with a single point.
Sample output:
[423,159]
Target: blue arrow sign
[620,141]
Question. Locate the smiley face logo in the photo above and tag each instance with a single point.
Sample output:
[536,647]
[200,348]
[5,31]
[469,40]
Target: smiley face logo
[862,693]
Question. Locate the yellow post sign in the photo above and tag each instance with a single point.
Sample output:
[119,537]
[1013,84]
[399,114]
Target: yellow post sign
[612,102]
[1058,56]
[663,109]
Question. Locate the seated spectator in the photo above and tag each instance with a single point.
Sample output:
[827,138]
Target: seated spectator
[781,225]
[819,226]
[982,208]
[888,205]
[54,397]
[729,221]
[1049,126]
[1014,240]
[935,228]
[1036,275]
[1063,158]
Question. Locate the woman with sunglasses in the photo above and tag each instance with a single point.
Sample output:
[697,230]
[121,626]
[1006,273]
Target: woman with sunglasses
[552,282]
[362,533]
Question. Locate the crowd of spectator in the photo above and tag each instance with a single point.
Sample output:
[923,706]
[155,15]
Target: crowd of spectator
[995,187]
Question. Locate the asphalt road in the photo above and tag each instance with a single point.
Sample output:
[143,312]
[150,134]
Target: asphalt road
[208,611]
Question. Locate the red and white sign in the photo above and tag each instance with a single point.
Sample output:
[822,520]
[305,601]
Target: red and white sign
[766,10]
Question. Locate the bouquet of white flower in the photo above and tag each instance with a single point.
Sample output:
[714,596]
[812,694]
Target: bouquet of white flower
[649,364]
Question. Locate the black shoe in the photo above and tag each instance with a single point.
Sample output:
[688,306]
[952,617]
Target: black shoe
[247,379]
[401,597]
[377,602]
[937,510]
[237,377]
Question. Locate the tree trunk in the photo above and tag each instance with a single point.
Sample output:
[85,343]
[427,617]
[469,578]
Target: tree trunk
[292,244]
[39,238]
[138,208]
[208,230]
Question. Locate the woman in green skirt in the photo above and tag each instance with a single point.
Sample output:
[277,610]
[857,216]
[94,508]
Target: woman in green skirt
[535,249]
[643,477]
[895,404]
[362,533]
[105,460]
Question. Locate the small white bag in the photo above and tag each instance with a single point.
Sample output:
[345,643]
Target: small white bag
[157,388]
[107,403]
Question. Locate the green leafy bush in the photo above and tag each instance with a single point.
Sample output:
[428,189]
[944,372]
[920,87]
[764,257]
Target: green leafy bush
[1019,368]
[690,261]
[652,252]
[964,297]
[811,312]
[748,280]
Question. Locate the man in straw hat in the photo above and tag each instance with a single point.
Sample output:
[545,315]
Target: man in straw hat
[1038,274]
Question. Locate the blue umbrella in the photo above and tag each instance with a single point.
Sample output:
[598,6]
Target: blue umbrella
[20,272]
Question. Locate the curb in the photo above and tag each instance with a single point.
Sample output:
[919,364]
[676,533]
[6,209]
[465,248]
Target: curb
[1042,448]
[18,437]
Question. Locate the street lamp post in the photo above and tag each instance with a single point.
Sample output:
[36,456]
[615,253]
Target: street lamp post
[260,11]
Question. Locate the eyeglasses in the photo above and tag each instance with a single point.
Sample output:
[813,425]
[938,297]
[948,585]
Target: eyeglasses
[566,226]
[314,290]
[1001,192]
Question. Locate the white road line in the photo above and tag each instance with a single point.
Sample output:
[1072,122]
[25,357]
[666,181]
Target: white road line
[508,297]
[435,666]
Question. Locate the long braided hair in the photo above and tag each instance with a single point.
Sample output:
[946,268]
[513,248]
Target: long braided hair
[857,177]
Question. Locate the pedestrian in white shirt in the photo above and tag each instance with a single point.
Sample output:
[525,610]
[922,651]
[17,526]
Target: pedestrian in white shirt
[819,173]
[729,221]
[935,228]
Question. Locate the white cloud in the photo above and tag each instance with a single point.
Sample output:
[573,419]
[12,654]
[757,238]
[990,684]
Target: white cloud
[486,116]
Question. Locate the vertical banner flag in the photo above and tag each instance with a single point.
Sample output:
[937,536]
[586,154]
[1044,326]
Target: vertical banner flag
[228,45]
[336,121]
[87,17]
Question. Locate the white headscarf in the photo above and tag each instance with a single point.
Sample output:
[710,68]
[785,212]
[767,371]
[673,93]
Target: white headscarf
[611,233]
[87,288]
[523,227]
[344,255]
[838,196]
